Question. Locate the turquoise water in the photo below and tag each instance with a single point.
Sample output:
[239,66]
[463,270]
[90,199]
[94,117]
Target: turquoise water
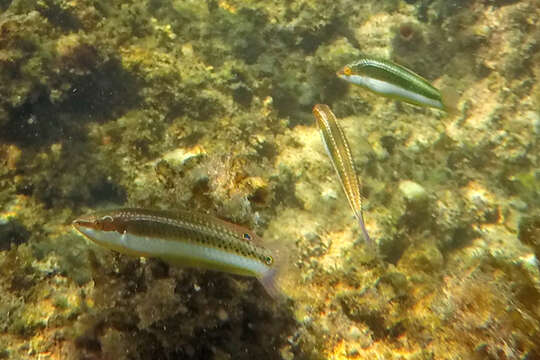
[207,107]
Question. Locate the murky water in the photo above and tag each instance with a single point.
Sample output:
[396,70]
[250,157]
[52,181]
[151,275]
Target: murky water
[206,107]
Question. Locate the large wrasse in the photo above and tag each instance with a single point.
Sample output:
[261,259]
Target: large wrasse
[183,238]
[394,81]
[338,149]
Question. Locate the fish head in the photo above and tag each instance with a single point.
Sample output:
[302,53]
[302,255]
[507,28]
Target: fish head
[354,75]
[92,224]
[345,72]
[107,229]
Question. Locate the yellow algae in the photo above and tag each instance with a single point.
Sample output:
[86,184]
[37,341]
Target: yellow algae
[163,29]
[8,215]
[255,184]
[267,106]
[453,283]
[341,352]
[187,50]
[13,155]
[340,243]
[375,33]
[180,156]
[482,202]
[67,44]
[226,5]
[153,62]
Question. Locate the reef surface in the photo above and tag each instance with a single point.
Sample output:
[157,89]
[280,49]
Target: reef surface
[206,105]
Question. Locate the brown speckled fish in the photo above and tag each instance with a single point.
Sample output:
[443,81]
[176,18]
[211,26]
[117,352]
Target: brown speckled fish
[182,238]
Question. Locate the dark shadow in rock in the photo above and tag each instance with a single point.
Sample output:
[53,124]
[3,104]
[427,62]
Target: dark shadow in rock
[12,232]
[106,93]
[58,16]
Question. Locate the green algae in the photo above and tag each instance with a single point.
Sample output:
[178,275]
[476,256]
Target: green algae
[102,103]
[527,185]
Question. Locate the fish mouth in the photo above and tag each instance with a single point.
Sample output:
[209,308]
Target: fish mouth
[87,221]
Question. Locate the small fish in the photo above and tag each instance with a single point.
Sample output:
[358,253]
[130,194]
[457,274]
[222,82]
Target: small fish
[182,238]
[389,79]
[337,148]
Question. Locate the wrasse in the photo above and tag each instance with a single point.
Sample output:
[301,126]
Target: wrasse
[389,79]
[182,238]
[337,148]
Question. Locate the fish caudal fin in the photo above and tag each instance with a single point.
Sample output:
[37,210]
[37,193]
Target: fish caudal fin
[362,224]
[276,279]
[270,284]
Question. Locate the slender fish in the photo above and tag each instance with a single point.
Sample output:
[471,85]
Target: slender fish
[337,148]
[389,79]
[182,238]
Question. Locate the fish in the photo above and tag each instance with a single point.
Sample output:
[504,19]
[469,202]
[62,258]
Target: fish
[183,238]
[394,81]
[338,149]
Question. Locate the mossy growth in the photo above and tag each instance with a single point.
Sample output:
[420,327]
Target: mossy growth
[527,186]
[529,232]
[12,233]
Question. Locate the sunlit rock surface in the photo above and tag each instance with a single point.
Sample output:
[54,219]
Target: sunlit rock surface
[207,106]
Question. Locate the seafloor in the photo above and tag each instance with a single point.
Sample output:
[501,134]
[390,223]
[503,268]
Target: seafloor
[206,105]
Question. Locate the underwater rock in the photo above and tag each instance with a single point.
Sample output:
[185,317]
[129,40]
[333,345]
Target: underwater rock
[527,185]
[4,117]
[181,156]
[10,156]
[375,306]
[105,103]
[409,38]
[481,203]
[415,203]
[414,193]
[12,233]
[453,220]
[529,232]
[533,116]
[425,257]
[76,55]
[151,309]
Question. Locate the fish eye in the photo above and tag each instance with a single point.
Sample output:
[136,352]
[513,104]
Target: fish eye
[105,223]
[268,260]
[246,236]
[98,224]
[347,71]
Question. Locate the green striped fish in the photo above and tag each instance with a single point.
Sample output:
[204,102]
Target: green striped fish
[337,148]
[182,238]
[389,79]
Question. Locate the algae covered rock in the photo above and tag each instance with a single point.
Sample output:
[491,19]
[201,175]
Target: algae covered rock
[425,257]
[12,233]
[529,232]
[207,106]
[415,194]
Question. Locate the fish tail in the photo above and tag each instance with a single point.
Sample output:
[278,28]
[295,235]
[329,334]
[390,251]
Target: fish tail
[275,279]
[270,283]
[362,224]
[368,239]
